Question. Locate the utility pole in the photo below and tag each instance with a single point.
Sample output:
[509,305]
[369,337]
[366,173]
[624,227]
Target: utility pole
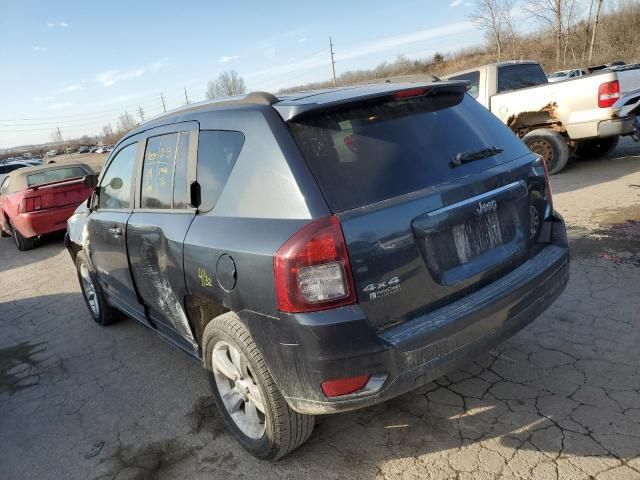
[59,135]
[141,113]
[164,105]
[333,62]
[595,27]
[186,98]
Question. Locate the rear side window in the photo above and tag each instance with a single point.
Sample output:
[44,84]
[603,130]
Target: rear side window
[515,77]
[165,171]
[217,153]
[474,78]
[57,175]
[363,155]
[115,185]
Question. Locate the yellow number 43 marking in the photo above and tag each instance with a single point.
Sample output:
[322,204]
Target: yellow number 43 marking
[205,280]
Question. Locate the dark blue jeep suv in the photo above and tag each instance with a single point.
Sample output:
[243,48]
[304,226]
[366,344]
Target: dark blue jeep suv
[322,251]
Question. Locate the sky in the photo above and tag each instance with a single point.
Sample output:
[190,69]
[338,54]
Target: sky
[79,65]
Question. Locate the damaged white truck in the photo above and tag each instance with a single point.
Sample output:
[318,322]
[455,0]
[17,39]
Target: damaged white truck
[585,116]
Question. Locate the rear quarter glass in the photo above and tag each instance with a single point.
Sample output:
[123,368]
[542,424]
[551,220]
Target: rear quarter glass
[360,155]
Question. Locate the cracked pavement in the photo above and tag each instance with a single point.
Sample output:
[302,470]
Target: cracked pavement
[560,400]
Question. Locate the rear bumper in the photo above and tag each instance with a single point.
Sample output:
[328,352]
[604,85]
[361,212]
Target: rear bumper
[618,126]
[41,222]
[311,348]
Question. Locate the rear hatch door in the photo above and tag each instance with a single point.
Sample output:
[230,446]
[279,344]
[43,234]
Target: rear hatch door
[435,195]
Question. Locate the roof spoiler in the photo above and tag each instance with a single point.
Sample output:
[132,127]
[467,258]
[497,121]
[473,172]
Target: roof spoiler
[388,92]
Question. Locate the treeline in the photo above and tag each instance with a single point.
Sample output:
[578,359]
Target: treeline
[617,39]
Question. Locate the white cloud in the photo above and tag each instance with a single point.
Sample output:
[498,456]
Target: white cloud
[57,24]
[38,48]
[70,88]
[58,106]
[303,40]
[42,99]
[112,77]
[455,3]
[228,58]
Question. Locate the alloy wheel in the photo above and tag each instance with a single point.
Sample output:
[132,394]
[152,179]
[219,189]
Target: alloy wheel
[238,389]
[89,290]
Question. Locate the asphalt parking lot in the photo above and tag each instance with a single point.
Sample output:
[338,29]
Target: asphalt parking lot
[561,399]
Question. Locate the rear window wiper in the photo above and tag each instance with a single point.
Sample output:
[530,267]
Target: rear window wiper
[466,157]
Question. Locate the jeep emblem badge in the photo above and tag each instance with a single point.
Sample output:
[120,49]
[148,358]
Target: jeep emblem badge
[486,207]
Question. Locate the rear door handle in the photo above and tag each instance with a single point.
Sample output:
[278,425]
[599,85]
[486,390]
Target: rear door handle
[116,232]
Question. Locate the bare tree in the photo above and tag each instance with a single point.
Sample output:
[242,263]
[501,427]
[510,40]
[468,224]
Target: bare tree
[226,85]
[556,14]
[494,16]
[126,122]
[595,27]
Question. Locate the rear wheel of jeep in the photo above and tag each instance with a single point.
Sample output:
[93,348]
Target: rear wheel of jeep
[252,406]
[551,146]
[101,312]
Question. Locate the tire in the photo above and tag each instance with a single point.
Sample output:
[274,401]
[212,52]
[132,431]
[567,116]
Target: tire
[101,312]
[279,430]
[597,147]
[23,243]
[551,146]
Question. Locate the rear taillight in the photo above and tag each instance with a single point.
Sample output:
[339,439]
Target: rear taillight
[608,94]
[547,182]
[30,204]
[312,270]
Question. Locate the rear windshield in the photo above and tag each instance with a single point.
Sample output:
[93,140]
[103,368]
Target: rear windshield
[56,175]
[523,75]
[363,155]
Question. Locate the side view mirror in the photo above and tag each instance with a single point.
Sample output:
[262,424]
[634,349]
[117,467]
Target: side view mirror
[90,180]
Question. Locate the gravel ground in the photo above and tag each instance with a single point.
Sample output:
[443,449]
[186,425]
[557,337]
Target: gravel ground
[561,399]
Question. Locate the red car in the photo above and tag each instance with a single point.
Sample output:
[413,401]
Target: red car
[39,200]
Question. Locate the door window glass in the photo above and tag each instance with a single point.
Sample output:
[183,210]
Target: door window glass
[180,198]
[217,153]
[115,186]
[157,172]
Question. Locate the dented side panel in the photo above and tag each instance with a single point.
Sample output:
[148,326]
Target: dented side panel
[155,247]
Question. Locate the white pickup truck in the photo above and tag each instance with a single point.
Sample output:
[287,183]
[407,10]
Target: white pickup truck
[584,116]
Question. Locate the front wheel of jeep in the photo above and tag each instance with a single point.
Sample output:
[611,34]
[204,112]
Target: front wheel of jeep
[101,312]
[252,406]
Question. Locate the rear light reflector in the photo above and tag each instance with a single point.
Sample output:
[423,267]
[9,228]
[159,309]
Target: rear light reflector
[608,94]
[312,270]
[30,204]
[344,386]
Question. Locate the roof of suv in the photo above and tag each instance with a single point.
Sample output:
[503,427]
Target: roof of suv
[290,105]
